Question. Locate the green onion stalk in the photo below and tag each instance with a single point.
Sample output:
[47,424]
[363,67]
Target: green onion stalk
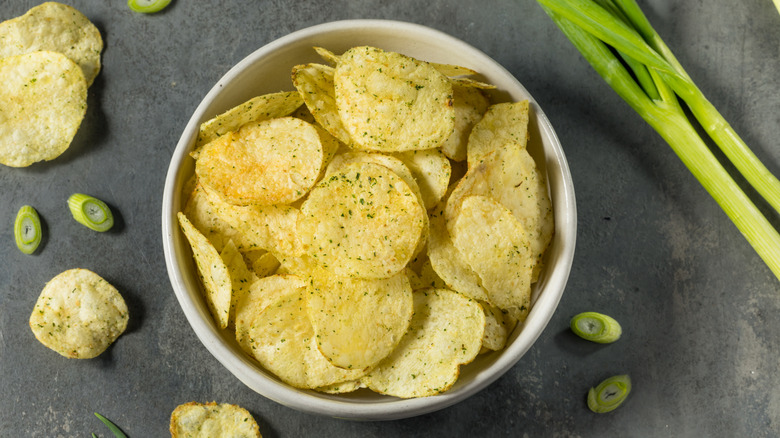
[614,36]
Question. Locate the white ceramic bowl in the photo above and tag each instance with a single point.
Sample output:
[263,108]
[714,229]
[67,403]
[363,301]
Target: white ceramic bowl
[268,70]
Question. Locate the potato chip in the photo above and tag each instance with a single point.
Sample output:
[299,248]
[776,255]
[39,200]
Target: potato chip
[448,262]
[496,247]
[502,123]
[498,327]
[79,314]
[241,277]
[430,278]
[431,169]
[391,102]
[213,272]
[200,209]
[341,387]
[452,70]
[315,85]
[262,263]
[54,27]
[361,221]
[212,420]
[445,333]
[270,162]
[358,322]
[470,104]
[327,55]
[43,101]
[273,326]
[257,109]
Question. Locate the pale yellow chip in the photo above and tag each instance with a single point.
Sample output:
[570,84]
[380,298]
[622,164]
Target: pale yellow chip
[213,272]
[452,70]
[391,102]
[430,278]
[257,109]
[446,332]
[341,387]
[43,100]
[273,327]
[431,169]
[327,55]
[270,162]
[358,322]
[79,314]
[200,209]
[212,420]
[470,104]
[503,123]
[498,327]
[496,247]
[241,277]
[448,263]
[361,221]
[262,263]
[55,27]
[314,82]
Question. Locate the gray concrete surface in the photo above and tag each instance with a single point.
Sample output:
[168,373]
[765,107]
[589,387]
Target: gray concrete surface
[699,308]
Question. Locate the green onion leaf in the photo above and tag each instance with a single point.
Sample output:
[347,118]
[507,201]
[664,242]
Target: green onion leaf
[91,212]
[147,6]
[596,327]
[609,394]
[111,426]
[27,230]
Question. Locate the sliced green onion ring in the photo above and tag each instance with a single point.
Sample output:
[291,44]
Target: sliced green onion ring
[609,394]
[27,230]
[147,6]
[91,212]
[113,427]
[596,327]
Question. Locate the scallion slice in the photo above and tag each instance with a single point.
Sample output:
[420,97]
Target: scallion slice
[147,6]
[609,394]
[27,230]
[91,212]
[596,327]
[113,427]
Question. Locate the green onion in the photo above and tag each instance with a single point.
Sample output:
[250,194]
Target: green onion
[27,230]
[601,28]
[111,426]
[147,6]
[609,394]
[596,327]
[91,212]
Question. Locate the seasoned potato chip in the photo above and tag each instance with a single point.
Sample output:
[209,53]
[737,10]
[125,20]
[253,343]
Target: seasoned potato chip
[470,104]
[358,322]
[430,278]
[315,85]
[496,247]
[262,263]
[273,326]
[391,102]
[200,209]
[257,109]
[43,101]
[270,162]
[212,420]
[54,27]
[327,55]
[445,333]
[502,123]
[452,70]
[498,327]
[213,272]
[241,278]
[361,221]
[341,387]
[79,314]
[431,169]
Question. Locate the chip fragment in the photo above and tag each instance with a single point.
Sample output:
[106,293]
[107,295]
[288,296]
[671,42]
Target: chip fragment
[42,103]
[79,314]
[212,420]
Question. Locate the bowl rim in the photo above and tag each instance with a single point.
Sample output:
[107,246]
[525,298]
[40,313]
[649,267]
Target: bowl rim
[392,408]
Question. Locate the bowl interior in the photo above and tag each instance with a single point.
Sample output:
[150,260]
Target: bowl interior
[268,70]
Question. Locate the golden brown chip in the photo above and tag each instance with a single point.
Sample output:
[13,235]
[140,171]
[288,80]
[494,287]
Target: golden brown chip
[470,104]
[273,326]
[79,314]
[213,271]
[361,221]
[256,109]
[270,162]
[42,102]
[358,322]
[445,333]
[496,247]
[315,85]
[212,420]
[55,27]
[391,102]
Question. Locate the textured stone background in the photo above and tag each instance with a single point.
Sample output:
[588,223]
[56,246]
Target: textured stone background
[698,307]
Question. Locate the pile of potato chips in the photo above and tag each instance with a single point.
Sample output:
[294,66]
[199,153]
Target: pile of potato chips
[48,59]
[378,227]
